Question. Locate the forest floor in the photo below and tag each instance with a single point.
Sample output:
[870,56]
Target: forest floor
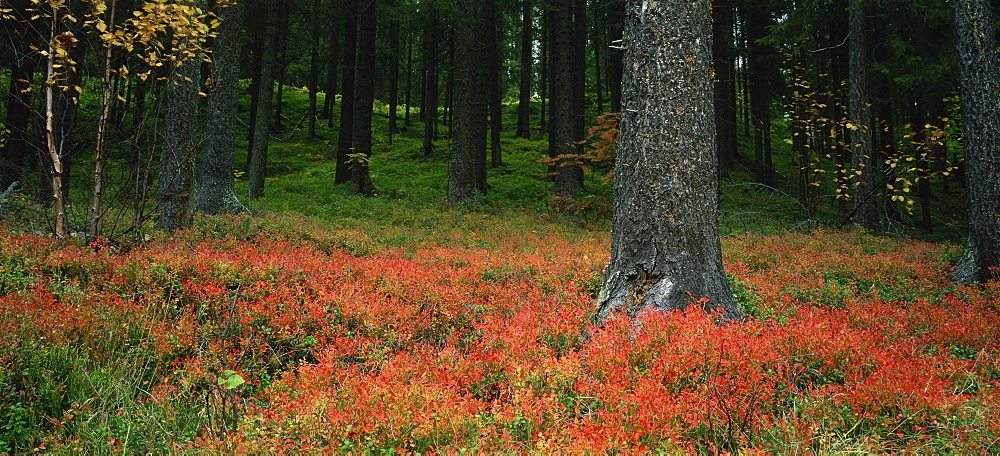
[325,322]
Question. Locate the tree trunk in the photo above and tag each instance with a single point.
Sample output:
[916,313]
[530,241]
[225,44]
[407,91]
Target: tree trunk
[430,104]
[15,153]
[409,80]
[265,97]
[524,89]
[862,192]
[364,97]
[175,190]
[760,100]
[333,63]
[314,69]
[96,212]
[616,20]
[562,128]
[665,249]
[469,144]
[281,66]
[216,186]
[493,78]
[979,82]
[393,73]
[348,80]
[724,86]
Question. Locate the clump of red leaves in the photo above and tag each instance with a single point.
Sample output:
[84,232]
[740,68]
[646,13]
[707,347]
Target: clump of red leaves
[861,344]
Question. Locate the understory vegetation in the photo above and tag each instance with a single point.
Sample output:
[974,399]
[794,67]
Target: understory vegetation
[325,323]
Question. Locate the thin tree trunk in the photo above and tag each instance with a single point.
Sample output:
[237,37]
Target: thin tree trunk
[430,104]
[524,90]
[495,106]
[409,79]
[393,73]
[314,69]
[258,166]
[96,213]
[55,154]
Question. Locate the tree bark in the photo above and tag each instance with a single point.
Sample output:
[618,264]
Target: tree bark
[430,98]
[175,190]
[393,72]
[469,144]
[979,83]
[265,97]
[562,125]
[314,68]
[760,100]
[665,249]
[725,85]
[216,183]
[524,89]
[493,78]
[862,192]
[344,140]
[364,97]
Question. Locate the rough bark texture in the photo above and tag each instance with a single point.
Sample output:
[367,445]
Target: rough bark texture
[562,132]
[861,114]
[216,186]
[265,97]
[469,144]
[180,136]
[526,74]
[665,245]
[979,80]
[364,97]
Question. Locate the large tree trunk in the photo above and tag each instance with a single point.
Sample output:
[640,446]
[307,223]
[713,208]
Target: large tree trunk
[175,190]
[265,97]
[524,89]
[216,186]
[344,140]
[469,145]
[979,81]
[862,192]
[364,97]
[562,125]
[665,249]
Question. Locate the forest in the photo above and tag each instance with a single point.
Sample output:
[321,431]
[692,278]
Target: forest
[415,226]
